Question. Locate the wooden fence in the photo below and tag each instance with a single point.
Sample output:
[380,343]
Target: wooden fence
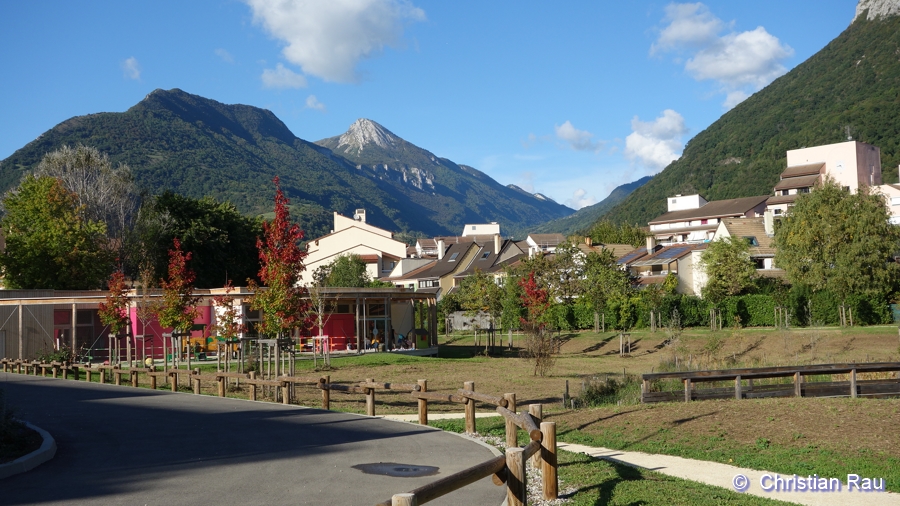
[880,379]
[508,469]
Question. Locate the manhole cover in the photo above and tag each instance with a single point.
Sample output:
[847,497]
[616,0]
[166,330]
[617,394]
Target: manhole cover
[397,470]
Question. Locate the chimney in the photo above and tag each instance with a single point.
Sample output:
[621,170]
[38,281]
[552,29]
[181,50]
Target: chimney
[497,243]
[360,215]
[589,241]
[651,243]
[440,248]
[769,222]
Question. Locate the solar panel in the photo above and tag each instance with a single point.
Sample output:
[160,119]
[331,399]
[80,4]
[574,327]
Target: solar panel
[673,252]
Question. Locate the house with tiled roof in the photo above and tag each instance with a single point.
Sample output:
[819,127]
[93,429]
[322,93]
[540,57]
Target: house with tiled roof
[543,243]
[677,259]
[692,219]
[375,246]
[851,164]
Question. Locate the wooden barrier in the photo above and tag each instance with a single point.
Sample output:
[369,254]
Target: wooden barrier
[799,386]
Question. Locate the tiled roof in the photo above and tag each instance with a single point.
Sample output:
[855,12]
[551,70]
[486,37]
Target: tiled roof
[547,239]
[667,255]
[803,170]
[781,199]
[714,209]
[797,182]
[752,227]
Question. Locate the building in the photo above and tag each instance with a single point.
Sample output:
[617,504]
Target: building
[851,164]
[375,246]
[691,219]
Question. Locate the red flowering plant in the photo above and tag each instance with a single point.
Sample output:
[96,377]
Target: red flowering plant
[283,305]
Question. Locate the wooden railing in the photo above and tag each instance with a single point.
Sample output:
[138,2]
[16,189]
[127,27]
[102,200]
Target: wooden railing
[771,382]
[508,469]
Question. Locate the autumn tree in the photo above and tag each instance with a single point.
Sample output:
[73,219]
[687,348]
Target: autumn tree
[282,305]
[729,268]
[539,343]
[113,311]
[178,308]
[49,241]
[839,241]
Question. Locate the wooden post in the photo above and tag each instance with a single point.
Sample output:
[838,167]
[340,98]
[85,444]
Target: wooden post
[404,499]
[596,322]
[285,392]
[117,377]
[470,408]
[423,403]
[549,466]
[134,378]
[253,386]
[797,391]
[173,381]
[370,398]
[326,394]
[55,370]
[516,491]
[65,371]
[195,379]
[102,376]
[537,412]
[737,388]
[853,383]
[152,382]
[221,385]
[512,438]
[687,390]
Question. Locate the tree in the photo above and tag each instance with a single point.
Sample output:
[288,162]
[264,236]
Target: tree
[478,293]
[348,271]
[603,281]
[837,241]
[103,193]
[220,239]
[568,273]
[178,308]
[283,305]
[49,242]
[114,311]
[729,268]
[605,232]
[539,344]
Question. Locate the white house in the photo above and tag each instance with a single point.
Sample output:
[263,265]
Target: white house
[374,245]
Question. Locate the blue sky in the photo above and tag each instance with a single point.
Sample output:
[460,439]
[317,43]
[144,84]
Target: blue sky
[570,99]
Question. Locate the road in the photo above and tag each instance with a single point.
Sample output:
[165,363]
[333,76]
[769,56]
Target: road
[123,445]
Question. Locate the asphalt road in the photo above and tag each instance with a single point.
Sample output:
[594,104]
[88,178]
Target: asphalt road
[123,445]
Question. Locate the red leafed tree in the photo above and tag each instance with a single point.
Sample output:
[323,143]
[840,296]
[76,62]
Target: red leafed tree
[178,309]
[228,318]
[539,343]
[283,305]
[114,312]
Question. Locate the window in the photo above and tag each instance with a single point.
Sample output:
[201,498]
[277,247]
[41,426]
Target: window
[704,222]
[751,241]
[674,200]
[895,201]
[777,212]
[453,257]
[803,190]
[473,227]
[485,255]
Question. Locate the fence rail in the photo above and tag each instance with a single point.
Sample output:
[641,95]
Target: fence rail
[751,383]
[508,469]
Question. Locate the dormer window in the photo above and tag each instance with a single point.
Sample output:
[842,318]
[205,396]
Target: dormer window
[485,255]
[751,241]
[453,257]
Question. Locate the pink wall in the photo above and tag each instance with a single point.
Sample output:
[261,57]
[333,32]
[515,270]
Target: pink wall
[154,342]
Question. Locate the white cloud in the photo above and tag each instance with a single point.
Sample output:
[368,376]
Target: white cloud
[655,144]
[580,199]
[579,140]
[131,69]
[741,63]
[224,55]
[282,77]
[313,103]
[327,39]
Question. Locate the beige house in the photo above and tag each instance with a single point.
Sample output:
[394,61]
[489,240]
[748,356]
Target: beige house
[851,164]
[691,219]
[374,245]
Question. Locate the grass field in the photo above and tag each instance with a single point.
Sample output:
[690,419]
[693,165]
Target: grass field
[828,437]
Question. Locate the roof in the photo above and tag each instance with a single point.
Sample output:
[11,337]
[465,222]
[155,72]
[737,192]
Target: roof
[752,227]
[617,250]
[415,273]
[445,265]
[782,199]
[667,255]
[634,255]
[427,243]
[803,170]
[547,239]
[714,209]
[797,182]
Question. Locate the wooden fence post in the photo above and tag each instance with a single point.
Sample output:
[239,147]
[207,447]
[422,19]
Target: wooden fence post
[537,412]
[370,398]
[737,387]
[687,390]
[797,389]
[173,379]
[512,438]
[404,499]
[423,403]
[134,378]
[326,394]
[549,466]
[221,385]
[470,408]
[516,491]
[152,382]
[252,386]
[285,392]
[853,383]
[195,379]
[117,377]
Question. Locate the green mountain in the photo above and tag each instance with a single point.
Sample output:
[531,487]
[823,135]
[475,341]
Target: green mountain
[849,88]
[463,194]
[195,146]
[588,215]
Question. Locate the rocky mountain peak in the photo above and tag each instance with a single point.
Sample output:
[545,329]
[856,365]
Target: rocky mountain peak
[365,132]
[877,9]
